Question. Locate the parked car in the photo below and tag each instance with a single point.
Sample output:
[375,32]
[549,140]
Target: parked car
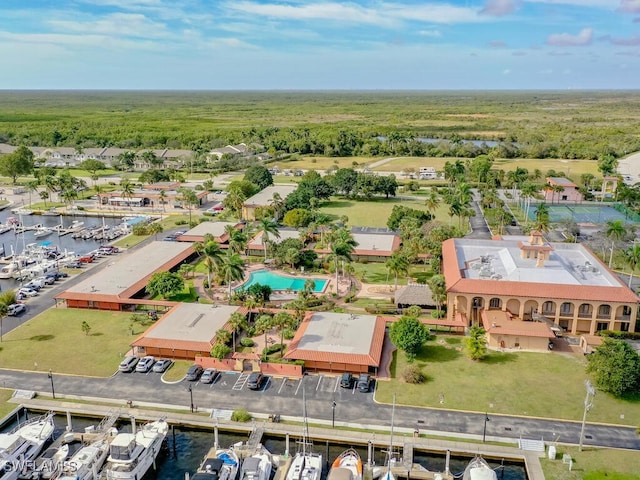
[47,280]
[16,309]
[162,365]
[145,364]
[209,375]
[128,364]
[346,381]
[364,382]
[86,259]
[57,275]
[194,373]
[34,284]
[74,264]
[255,380]
[27,292]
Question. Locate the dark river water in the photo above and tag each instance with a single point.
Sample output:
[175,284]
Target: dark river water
[185,449]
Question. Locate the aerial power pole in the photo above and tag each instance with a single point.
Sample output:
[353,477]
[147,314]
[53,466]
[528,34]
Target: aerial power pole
[588,403]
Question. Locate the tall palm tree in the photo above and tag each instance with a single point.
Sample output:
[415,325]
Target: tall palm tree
[232,269]
[213,258]
[632,258]
[162,196]
[99,189]
[237,321]
[277,203]
[615,231]
[342,245]
[32,186]
[528,191]
[542,218]
[267,227]
[432,201]
[438,287]
[237,239]
[398,265]
[282,321]
[264,323]
[127,189]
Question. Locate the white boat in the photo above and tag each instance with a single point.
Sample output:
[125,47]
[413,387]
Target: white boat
[131,454]
[42,232]
[257,467]
[218,464]
[347,466]
[479,469]
[23,444]
[22,211]
[305,465]
[86,463]
[49,463]
[5,227]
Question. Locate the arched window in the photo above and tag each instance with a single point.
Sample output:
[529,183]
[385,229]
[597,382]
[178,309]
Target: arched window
[495,303]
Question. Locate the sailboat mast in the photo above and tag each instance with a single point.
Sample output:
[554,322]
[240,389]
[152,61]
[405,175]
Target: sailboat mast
[393,413]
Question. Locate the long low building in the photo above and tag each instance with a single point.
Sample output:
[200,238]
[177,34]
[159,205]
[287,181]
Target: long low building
[264,198]
[114,285]
[186,331]
[563,284]
[339,342]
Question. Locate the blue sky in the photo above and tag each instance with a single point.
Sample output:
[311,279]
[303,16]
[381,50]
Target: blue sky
[320,44]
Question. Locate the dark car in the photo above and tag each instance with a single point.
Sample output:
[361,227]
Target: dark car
[255,380]
[194,373]
[57,275]
[346,381]
[162,365]
[364,382]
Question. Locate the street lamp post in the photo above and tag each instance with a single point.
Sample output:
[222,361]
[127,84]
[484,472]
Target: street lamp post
[333,414]
[484,429]
[191,397]
[53,391]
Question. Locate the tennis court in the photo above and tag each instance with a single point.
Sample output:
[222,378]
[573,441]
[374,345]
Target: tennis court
[585,214]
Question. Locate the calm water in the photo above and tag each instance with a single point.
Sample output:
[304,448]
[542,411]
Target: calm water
[280,282]
[185,449]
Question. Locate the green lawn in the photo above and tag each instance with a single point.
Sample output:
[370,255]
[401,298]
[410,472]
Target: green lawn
[378,273]
[54,338]
[593,464]
[323,163]
[374,212]
[522,383]
[5,406]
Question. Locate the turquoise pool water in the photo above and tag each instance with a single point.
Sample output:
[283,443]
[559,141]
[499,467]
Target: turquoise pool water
[281,282]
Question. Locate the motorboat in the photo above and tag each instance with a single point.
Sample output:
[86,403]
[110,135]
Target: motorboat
[23,444]
[87,462]
[5,227]
[347,466]
[305,465]
[257,466]
[479,469]
[22,211]
[50,462]
[218,464]
[42,232]
[131,454]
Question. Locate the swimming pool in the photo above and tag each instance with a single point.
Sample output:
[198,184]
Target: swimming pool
[281,282]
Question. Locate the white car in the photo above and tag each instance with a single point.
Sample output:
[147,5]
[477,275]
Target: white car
[28,292]
[16,309]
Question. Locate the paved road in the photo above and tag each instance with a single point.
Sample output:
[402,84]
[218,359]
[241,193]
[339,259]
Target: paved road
[284,396]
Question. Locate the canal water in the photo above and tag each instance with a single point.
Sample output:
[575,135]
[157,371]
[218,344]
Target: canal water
[185,449]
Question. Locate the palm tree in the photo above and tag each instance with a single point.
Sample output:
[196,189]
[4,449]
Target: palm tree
[397,265]
[527,191]
[632,258]
[237,239]
[342,246]
[438,288]
[162,196]
[44,195]
[432,201]
[267,227]
[542,218]
[99,189]
[213,258]
[264,324]
[155,228]
[236,321]
[282,321]
[51,185]
[278,205]
[127,189]
[32,186]
[232,269]
[615,231]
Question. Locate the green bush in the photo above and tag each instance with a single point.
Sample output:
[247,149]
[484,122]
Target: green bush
[289,333]
[619,335]
[180,222]
[381,310]
[440,314]
[247,342]
[240,415]
[349,298]
[413,374]
[271,349]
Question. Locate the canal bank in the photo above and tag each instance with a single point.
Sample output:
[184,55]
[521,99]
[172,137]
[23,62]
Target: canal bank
[319,430]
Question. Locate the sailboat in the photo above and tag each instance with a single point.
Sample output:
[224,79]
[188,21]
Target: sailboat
[305,465]
[479,469]
[347,466]
[388,475]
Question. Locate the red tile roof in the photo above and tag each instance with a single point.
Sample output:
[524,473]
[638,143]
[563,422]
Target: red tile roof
[497,322]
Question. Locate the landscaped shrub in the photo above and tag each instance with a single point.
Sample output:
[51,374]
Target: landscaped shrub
[349,298]
[438,314]
[240,415]
[288,333]
[271,349]
[413,374]
[180,222]
[384,310]
[619,335]
[247,342]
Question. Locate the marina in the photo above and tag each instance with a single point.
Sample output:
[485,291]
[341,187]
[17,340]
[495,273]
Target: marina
[191,439]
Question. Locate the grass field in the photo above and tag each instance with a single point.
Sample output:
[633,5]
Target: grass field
[44,343]
[593,464]
[375,212]
[5,407]
[523,384]
[323,163]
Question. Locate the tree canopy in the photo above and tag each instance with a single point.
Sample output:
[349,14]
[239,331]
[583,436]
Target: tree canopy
[615,367]
[409,334]
[476,343]
[17,163]
[165,284]
[258,175]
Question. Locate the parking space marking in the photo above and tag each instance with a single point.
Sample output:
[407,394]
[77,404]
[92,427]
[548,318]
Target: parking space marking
[284,381]
[266,384]
[319,382]
[300,383]
[242,379]
[335,387]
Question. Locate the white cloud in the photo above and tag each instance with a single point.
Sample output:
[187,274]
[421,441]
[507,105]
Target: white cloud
[499,8]
[608,4]
[117,24]
[567,40]
[629,6]
[430,33]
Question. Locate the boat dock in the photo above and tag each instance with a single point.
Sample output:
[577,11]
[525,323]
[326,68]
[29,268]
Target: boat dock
[260,426]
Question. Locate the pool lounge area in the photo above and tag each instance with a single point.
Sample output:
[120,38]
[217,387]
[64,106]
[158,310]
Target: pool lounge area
[280,282]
